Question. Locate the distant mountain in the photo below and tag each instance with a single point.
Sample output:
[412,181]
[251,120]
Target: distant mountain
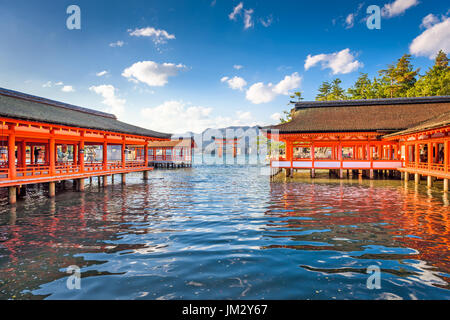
[247,138]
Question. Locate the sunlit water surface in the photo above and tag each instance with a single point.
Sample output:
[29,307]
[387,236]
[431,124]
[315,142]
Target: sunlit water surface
[218,232]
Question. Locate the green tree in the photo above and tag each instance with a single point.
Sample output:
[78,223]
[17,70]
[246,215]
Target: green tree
[436,81]
[331,91]
[286,117]
[337,93]
[364,88]
[397,79]
[324,91]
[297,95]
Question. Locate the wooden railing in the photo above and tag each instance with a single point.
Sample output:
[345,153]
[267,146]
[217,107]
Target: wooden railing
[4,173]
[438,167]
[36,170]
[69,168]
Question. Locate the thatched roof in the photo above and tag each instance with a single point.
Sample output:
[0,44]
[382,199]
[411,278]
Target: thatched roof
[384,115]
[439,121]
[22,106]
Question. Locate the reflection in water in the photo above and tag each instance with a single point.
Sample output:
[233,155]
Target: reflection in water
[226,232]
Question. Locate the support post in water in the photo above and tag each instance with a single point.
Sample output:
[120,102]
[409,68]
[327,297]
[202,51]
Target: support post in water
[51,189]
[12,195]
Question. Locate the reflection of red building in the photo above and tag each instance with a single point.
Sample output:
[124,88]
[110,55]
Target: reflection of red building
[351,217]
[366,135]
[48,141]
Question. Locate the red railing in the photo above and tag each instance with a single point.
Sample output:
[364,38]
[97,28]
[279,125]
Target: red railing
[135,164]
[184,157]
[439,167]
[4,173]
[36,170]
[67,169]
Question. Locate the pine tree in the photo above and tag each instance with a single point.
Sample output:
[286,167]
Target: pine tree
[397,79]
[337,93]
[359,89]
[436,82]
[324,91]
[297,95]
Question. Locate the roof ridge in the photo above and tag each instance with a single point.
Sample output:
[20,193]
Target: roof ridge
[54,103]
[371,102]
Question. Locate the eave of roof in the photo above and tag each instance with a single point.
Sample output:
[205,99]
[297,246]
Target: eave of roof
[21,106]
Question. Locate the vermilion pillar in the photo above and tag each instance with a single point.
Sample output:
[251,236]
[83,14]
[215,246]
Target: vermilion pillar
[124,158]
[52,153]
[289,151]
[105,155]
[81,155]
[146,154]
[23,154]
[81,152]
[12,153]
[75,154]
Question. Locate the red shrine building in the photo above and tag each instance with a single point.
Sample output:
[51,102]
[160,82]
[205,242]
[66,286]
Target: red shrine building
[406,135]
[45,141]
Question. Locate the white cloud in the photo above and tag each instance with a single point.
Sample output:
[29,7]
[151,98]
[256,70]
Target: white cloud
[108,92]
[287,84]
[341,62]
[429,20]
[248,22]
[102,73]
[266,22]
[235,83]
[236,11]
[117,44]
[178,117]
[350,21]
[436,37]
[158,36]
[50,84]
[261,93]
[397,7]
[67,89]
[238,67]
[152,73]
[276,116]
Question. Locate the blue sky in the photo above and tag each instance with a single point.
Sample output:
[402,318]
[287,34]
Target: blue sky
[179,66]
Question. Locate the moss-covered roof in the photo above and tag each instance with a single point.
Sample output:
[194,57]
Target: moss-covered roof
[22,106]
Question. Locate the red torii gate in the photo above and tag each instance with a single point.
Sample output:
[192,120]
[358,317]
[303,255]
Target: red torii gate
[222,143]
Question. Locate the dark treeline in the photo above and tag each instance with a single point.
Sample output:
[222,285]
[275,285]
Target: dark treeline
[397,80]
